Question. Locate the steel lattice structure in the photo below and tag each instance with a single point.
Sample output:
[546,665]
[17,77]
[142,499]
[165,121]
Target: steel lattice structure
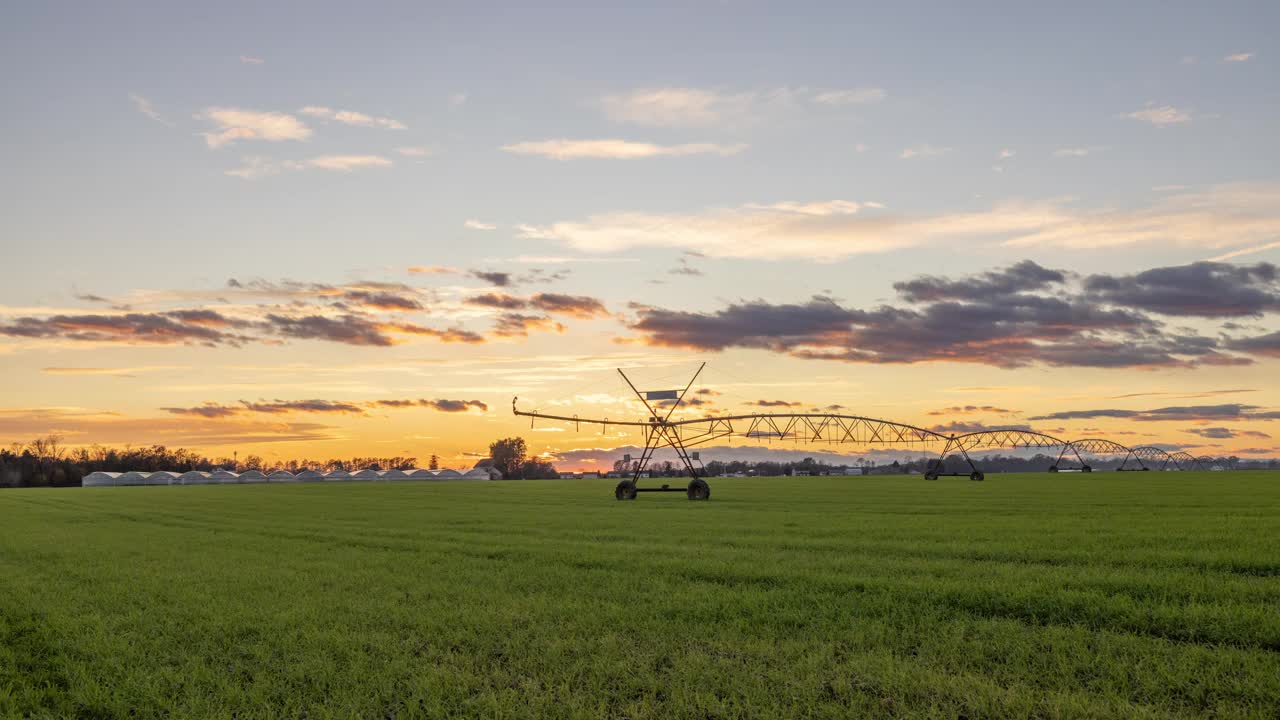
[660,430]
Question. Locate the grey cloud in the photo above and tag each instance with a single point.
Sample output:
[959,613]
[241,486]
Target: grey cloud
[1203,289]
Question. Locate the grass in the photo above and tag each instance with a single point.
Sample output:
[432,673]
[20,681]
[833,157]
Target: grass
[1107,595]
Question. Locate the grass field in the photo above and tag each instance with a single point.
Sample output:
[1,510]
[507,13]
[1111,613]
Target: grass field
[1106,595]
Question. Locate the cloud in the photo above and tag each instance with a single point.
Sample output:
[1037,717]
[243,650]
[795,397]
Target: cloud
[684,268]
[254,167]
[1000,318]
[1238,57]
[1224,216]
[1005,154]
[457,100]
[208,410]
[565,149]
[496,279]
[191,429]
[145,107]
[431,270]
[359,330]
[973,410]
[176,327]
[1071,152]
[346,163]
[1203,289]
[356,313]
[413,151]
[234,124]
[824,230]
[1161,116]
[675,107]
[274,407]
[251,60]
[850,96]
[1229,411]
[1020,277]
[700,107]
[962,427]
[122,372]
[213,410]
[578,306]
[478,225]
[1268,345]
[454,406]
[450,335]
[1222,433]
[382,300]
[1246,251]
[775,403]
[497,300]
[519,325]
[351,117]
[923,151]
[346,329]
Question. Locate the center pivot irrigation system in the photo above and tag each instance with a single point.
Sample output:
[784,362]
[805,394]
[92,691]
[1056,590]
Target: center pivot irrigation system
[680,435]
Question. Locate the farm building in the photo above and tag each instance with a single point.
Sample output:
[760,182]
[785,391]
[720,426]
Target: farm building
[99,479]
[226,477]
[162,477]
[132,477]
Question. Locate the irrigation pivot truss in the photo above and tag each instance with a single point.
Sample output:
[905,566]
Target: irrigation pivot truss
[660,431]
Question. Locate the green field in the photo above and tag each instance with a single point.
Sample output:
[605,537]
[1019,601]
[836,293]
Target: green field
[1106,595]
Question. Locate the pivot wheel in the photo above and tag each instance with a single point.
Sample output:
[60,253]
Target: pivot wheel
[1053,468]
[1086,468]
[699,489]
[977,476]
[626,490]
[931,476]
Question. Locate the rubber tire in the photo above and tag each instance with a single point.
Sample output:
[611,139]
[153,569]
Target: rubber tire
[626,490]
[1053,468]
[1085,468]
[699,489]
[930,476]
[977,476]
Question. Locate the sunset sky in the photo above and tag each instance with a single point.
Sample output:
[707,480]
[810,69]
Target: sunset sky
[327,230]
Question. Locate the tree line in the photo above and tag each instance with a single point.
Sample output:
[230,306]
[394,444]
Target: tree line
[47,462]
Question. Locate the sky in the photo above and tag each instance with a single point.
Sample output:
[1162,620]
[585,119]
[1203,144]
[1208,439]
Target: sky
[331,229]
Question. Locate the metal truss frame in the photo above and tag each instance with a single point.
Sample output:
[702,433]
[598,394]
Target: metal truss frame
[659,431]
